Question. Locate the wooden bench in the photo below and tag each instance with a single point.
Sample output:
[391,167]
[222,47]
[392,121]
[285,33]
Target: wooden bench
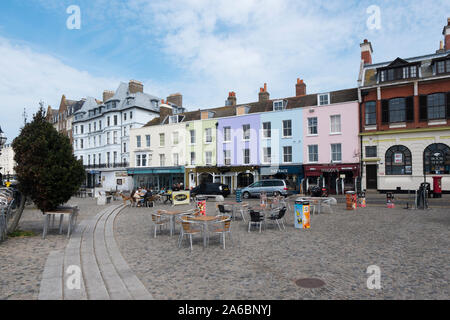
[71,212]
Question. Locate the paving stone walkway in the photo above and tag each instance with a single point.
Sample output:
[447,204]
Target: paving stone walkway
[93,250]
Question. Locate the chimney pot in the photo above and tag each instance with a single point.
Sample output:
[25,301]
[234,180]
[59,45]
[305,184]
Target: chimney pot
[446,33]
[107,94]
[263,94]
[135,86]
[366,52]
[231,101]
[300,88]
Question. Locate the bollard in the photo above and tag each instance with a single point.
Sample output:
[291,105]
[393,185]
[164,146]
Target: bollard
[362,200]
[390,200]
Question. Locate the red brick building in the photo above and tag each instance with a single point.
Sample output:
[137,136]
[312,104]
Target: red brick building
[405,119]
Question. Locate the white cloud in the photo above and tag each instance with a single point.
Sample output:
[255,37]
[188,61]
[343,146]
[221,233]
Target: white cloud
[218,46]
[27,77]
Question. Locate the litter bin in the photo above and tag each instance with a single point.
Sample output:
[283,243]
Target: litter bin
[302,214]
[422,201]
[390,200]
[201,205]
[362,199]
[351,200]
[437,187]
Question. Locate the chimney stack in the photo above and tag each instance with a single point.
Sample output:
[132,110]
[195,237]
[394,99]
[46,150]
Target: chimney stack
[446,33]
[176,99]
[164,110]
[300,88]
[135,86]
[231,100]
[107,94]
[366,52]
[263,94]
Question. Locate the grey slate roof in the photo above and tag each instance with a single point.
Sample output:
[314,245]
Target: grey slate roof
[426,68]
[339,96]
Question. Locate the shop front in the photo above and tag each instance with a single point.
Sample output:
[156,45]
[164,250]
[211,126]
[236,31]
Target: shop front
[238,176]
[157,178]
[93,178]
[197,175]
[293,175]
[337,178]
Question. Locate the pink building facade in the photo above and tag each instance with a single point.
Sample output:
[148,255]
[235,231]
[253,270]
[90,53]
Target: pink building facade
[331,150]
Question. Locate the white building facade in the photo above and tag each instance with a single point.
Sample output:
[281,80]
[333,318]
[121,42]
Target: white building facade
[102,134]
[7,162]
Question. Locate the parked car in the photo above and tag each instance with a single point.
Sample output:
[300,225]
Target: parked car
[316,191]
[211,189]
[274,187]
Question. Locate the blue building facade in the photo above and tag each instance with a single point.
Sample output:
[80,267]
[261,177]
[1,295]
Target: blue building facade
[281,146]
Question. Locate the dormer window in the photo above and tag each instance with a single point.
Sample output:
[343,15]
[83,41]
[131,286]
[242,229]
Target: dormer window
[278,105]
[323,99]
[173,119]
[442,66]
[399,69]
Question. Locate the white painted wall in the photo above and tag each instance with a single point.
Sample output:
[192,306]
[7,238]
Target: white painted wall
[416,142]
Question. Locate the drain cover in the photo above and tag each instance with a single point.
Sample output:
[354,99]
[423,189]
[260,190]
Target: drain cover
[310,283]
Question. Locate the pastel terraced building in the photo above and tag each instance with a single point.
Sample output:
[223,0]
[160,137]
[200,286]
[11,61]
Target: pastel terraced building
[158,150]
[331,150]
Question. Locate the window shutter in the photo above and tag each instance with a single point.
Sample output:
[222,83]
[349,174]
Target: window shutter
[385,111]
[423,108]
[410,109]
[448,105]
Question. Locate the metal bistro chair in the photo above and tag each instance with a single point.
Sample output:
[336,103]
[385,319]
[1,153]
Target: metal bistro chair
[189,228]
[158,220]
[189,213]
[256,218]
[279,217]
[243,210]
[224,227]
[224,211]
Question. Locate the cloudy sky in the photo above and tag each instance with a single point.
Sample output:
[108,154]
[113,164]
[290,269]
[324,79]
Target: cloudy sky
[203,49]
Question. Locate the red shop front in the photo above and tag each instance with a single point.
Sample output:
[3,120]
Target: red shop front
[333,176]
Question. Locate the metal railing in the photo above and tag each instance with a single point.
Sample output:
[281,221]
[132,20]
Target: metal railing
[107,165]
[7,202]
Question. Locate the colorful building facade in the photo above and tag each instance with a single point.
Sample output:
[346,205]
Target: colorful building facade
[405,119]
[331,149]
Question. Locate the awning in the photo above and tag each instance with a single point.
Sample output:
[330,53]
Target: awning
[273,170]
[134,171]
[317,170]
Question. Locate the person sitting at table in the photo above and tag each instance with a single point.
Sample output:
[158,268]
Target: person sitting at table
[137,196]
[142,194]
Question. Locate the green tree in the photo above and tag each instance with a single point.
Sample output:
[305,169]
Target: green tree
[46,168]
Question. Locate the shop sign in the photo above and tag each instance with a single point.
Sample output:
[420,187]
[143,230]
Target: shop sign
[181,197]
[121,174]
[398,158]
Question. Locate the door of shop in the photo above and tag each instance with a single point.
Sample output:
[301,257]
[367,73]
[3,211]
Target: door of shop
[371,176]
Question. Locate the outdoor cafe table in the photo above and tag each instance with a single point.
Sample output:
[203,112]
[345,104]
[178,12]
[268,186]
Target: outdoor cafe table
[205,220]
[172,215]
[318,200]
[168,197]
[234,206]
